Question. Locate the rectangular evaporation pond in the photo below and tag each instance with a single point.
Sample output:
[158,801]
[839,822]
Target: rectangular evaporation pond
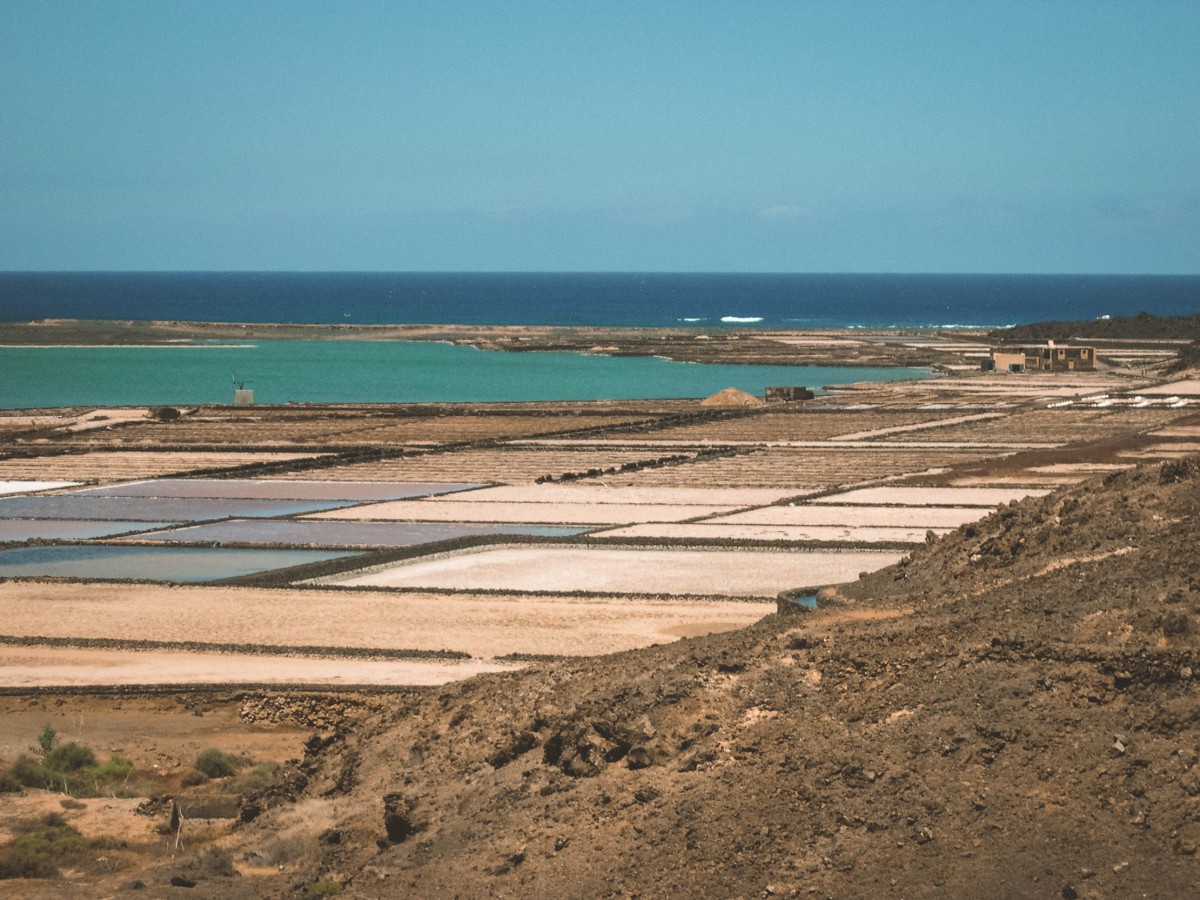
[156,509]
[67,529]
[184,564]
[314,533]
[258,489]
[31,487]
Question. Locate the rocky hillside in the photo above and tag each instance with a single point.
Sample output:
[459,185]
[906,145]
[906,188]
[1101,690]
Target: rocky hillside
[1142,326]
[1011,712]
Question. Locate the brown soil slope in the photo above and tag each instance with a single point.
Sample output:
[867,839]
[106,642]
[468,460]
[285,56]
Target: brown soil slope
[1012,713]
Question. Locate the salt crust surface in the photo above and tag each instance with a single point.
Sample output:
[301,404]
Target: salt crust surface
[875,516]
[483,625]
[738,573]
[599,493]
[933,496]
[833,533]
[28,487]
[548,513]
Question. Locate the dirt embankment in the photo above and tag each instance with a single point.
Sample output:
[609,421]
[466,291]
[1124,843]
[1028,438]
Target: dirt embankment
[1011,713]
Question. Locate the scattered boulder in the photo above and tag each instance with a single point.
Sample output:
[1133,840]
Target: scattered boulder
[398,818]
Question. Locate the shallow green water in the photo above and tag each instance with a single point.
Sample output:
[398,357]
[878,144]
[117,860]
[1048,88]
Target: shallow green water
[373,372]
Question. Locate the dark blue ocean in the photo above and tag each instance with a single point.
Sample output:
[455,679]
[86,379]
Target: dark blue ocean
[602,299]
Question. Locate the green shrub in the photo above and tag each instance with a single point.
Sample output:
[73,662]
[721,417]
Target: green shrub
[27,857]
[69,758]
[215,764]
[9,784]
[47,740]
[106,778]
[38,849]
[211,862]
[29,772]
[193,778]
[261,777]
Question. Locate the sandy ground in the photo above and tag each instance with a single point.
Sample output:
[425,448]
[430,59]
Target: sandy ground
[55,666]
[712,532]
[735,573]
[129,465]
[1180,431]
[1187,388]
[932,496]
[1023,479]
[871,516]
[482,625]
[549,513]
[157,734]
[919,426]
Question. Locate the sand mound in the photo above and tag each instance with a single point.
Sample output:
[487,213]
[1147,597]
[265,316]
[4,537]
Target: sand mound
[731,396]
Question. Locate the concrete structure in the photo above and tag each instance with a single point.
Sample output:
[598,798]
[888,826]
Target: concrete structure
[1005,361]
[1049,358]
[788,394]
[243,397]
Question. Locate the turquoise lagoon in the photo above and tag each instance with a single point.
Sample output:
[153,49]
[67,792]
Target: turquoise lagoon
[373,372]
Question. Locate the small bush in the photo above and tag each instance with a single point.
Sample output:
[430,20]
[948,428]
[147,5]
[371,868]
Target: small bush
[219,864]
[29,772]
[9,784]
[116,767]
[27,857]
[291,850]
[69,758]
[71,769]
[261,777]
[193,778]
[215,764]
[39,847]
[47,740]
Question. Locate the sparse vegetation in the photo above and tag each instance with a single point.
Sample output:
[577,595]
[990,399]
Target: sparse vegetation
[215,764]
[70,768]
[261,777]
[47,740]
[40,847]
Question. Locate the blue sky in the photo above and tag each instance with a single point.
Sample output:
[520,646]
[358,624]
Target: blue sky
[779,136]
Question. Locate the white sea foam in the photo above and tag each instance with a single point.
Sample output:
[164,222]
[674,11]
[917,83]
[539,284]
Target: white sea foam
[692,319]
[741,319]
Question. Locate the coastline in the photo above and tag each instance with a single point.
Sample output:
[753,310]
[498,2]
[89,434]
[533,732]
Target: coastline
[718,345]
